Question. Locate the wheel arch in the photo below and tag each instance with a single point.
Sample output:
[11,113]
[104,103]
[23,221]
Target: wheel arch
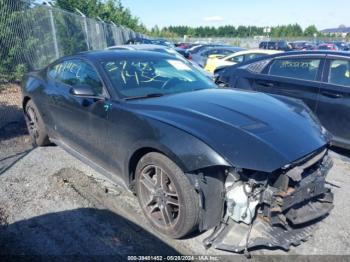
[137,153]
[207,177]
[135,158]
[25,101]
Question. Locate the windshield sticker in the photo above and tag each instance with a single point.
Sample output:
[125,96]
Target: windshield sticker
[179,65]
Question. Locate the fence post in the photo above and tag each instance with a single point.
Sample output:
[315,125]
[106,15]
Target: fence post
[54,36]
[85,27]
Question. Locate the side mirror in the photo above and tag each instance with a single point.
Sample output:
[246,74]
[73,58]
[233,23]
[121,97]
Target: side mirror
[84,91]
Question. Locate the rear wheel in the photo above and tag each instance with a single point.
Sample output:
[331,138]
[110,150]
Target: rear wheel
[35,125]
[166,196]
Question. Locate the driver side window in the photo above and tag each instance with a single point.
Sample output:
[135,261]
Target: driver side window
[78,72]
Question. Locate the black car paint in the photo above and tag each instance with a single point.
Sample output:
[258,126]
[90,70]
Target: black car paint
[329,102]
[198,130]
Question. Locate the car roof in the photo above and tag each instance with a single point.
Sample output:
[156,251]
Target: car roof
[254,51]
[292,53]
[226,48]
[140,47]
[105,54]
[306,53]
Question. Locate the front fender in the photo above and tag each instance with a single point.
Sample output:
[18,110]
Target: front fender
[201,164]
[187,151]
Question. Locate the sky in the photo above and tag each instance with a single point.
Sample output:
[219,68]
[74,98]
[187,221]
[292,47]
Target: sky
[322,13]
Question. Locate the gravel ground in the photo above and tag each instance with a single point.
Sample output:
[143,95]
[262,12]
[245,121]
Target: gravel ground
[53,204]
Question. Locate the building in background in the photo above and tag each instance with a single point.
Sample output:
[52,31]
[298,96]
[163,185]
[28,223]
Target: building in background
[341,31]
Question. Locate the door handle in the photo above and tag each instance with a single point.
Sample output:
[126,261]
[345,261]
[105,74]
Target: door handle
[55,99]
[332,95]
[266,84]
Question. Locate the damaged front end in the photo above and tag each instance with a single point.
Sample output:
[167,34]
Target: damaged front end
[274,210]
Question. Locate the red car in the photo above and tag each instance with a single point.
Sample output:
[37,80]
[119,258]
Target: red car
[332,47]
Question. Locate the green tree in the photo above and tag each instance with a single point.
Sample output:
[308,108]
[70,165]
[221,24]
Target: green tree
[109,11]
[291,30]
[310,31]
[12,39]
[90,8]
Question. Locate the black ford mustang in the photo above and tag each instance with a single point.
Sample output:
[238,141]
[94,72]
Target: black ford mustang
[250,165]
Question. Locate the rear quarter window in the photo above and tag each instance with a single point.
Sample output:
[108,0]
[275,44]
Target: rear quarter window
[339,72]
[298,68]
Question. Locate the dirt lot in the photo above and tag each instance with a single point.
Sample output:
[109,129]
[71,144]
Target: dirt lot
[53,204]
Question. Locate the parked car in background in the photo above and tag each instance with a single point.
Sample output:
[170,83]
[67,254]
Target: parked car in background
[184,52]
[185,45]
[199,47]
[298,45]
[147,47]
[197,157]
[219,51]
[138,40]
[329,46]
[303,46]
[164,50]
[236,58]
[309,47]
[320,78]
[163,42]
[342,46]
[281,45]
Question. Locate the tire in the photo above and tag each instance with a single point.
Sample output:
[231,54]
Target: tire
[185,214]
[35,125]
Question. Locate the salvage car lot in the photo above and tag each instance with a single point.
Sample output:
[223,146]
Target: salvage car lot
[54,204]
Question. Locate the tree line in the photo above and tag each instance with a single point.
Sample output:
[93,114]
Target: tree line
[291,30]
[108,10]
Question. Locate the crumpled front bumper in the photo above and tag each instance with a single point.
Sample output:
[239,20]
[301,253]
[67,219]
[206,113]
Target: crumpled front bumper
[237,237]
[287,215]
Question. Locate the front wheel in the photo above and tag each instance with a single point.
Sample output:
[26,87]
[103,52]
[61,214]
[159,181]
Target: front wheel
[35,125]
[166,196]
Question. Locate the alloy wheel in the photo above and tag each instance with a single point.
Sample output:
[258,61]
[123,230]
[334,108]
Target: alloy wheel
[32,123]
[159,197]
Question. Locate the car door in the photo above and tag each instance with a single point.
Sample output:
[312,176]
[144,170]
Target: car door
[79,122]
[333,108]
[297,77]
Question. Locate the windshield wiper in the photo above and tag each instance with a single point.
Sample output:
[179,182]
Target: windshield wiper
[144,96]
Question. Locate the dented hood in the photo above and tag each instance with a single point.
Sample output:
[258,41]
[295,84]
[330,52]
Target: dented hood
[248,129]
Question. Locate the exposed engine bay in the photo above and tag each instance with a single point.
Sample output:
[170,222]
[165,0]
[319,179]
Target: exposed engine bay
[277,209]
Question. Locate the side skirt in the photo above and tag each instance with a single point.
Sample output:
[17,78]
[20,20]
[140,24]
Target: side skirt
[111,176]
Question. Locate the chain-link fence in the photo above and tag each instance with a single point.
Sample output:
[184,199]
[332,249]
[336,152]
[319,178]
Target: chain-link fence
[32,36]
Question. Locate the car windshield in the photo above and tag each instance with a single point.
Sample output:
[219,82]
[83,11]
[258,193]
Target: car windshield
[144,77]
